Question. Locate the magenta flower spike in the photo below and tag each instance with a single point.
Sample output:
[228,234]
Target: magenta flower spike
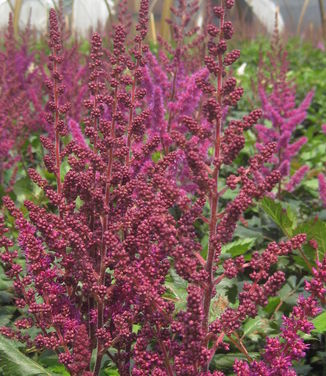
[278,97]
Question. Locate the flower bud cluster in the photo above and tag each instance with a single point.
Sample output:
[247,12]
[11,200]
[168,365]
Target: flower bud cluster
[279,107]
[20,103]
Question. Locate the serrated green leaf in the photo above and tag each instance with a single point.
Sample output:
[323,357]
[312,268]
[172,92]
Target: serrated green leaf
[254,326]
[5,284]
[6,313]
[2,192]
[222,298]
[315,229]
[111,372]
[15,363]
[272,304]
[5,298]
[156,156]
[292,217]
[238,247]
[178,287]
[136,328]
[284,218]
[226,361]
[320,323]
[59,369]
[23,185]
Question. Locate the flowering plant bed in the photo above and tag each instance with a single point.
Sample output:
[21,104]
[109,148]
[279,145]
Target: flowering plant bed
[150,238]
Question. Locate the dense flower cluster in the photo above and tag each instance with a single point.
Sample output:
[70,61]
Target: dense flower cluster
[282,351]
[22,73]
[150,158]
[19,101]
[278,97]
[322,188]
[322,180]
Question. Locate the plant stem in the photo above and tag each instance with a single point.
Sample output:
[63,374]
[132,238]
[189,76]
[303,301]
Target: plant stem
[97,364]
[57,136]
[240,346]
[131,110]
[305,259]
[100,306]
[172,96]
[165,354]
[214,195]
[216,345]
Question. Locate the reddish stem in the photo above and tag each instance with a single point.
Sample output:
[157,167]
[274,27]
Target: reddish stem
[165,354]
[216,345]
[131,111]
[100,306]
[57,136]
[214,196]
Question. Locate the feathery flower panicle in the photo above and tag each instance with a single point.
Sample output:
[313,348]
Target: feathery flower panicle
[323,127]
[18,103]
[279,106]
[75,76]
[322,188]
[76,132]
[322,179]
[282,351]
[296,178]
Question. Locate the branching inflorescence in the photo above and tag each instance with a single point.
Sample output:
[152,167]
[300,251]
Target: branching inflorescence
[19,100]
[322,180]
[278,97]
[120,221]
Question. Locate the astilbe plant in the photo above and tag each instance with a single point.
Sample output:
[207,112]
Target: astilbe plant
[278,97]
[172,84]
[322,188]
[117,223]
[322,180]
[18,101]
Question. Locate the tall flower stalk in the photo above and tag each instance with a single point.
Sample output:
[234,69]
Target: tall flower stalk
[278,97]
[19,103]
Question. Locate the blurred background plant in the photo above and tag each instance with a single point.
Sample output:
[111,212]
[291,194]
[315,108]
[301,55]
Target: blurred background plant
[301,17]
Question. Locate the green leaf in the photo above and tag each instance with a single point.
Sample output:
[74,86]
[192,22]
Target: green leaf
[59,369]
[178,287]
[136,328]
[6,313]
[238,247]
[111,372]
[15,363]
[5,284]
[222,298]
[23,187]
[253,327]
[315,229]
[292,217]
[2,192]
[272,304]
[156,156]
[284,218]
[320,323]
[5,298]
[226,361]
